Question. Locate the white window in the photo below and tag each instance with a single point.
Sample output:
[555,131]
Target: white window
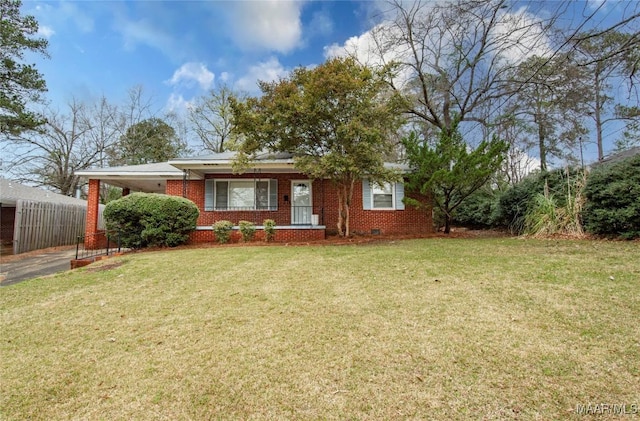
[382,196]
[240,194]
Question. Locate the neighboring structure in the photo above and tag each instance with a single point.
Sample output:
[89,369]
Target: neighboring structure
[271,188]
[33,218]
[616,157]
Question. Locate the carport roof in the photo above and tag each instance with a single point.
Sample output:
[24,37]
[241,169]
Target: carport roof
[11,192]
[146,177]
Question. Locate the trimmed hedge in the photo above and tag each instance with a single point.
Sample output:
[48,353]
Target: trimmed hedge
[480,210]
[613,199]
[151,220]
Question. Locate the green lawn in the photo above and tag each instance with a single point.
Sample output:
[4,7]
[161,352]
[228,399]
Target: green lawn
[420,329]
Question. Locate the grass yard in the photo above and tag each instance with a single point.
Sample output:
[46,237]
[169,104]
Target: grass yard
[421,329]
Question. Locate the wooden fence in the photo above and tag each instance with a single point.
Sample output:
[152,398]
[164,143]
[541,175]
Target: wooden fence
[40,225]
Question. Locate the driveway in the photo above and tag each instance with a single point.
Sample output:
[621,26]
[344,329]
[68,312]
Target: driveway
[35,264]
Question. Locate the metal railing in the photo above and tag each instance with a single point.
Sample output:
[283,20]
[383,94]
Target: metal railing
[99,244]
[301,215]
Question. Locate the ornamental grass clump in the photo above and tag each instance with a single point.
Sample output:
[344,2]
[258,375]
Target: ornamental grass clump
[248,230]
[222,230]
[546,217]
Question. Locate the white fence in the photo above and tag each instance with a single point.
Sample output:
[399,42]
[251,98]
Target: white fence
[40,225]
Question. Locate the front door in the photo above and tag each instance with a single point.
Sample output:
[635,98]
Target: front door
[301,208]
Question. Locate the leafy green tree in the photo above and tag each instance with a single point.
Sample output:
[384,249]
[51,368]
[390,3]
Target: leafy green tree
[20,83]
[148,141]
[336,119]
[449,170]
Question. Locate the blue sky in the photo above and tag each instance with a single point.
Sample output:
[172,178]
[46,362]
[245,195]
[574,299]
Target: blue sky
[177,50]
[180,49]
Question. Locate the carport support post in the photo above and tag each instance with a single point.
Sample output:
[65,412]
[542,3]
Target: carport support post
[91,240]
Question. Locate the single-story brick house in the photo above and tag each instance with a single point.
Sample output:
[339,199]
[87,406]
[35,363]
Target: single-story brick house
[271,188]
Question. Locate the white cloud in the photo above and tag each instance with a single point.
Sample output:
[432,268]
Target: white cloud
[267,71]
[225,77]
[144,32]
[321,23]
[69,10]
[363,47]
[270,24]
[366,50]
[521,37]
[193,72]
[177,104]
[46,31]
[60,15]
[517,37]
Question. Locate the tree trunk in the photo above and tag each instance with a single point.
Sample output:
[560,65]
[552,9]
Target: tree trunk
[447,212]
[340,204]
[347,207]
[447,224]
[598,118]
[541,142]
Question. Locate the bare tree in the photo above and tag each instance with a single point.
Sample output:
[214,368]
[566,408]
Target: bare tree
[50,155]
[456,55]
[627,51]
[106,126]
[137,108]
[212,118]
[551,101]
[605,58]
[453,62]
[79,136]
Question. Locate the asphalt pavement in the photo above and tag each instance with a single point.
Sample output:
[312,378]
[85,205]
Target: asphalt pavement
[14,269]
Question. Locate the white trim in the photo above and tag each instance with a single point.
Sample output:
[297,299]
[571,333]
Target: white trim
[393,196]
[291,199]
[270,206]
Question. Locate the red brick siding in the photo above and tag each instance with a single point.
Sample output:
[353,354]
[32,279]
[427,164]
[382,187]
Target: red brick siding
[325,203]
[282,216]
[361,221]
[93,237]
[282,235]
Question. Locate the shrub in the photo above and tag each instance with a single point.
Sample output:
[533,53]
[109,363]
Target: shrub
[149,219]
[478,210]
[613,199]
[269,229]
[248,230]
[222,230]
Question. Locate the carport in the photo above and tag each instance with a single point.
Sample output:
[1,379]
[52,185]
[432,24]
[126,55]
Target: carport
[147,178]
